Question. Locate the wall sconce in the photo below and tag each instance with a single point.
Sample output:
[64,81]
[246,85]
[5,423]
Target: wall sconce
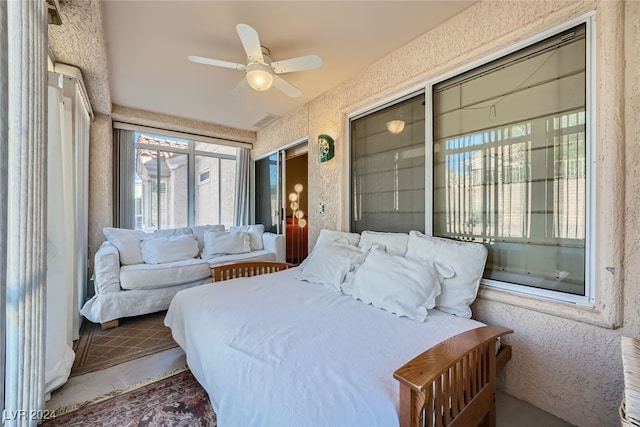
[395,126]
[326,148]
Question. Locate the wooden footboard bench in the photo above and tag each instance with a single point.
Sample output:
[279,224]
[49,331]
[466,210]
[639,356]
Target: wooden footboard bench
[454,382]
[234,270]
[451,384]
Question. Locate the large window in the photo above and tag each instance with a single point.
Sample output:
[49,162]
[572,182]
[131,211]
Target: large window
[175,182]
[387,167]
[509,162]
[508,165]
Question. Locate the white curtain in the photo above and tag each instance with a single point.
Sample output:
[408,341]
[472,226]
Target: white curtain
[4,156]
[67,234]
[61,268]
[81,170]
[22,201]
[243,163]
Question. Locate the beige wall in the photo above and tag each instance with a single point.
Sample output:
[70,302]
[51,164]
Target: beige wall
[571,368]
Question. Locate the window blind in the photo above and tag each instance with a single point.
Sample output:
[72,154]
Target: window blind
[388,169]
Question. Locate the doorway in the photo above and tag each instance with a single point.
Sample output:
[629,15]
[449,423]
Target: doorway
[281,197]
[296,209]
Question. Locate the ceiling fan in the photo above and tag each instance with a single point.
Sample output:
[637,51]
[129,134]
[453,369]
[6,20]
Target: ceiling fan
[261,73]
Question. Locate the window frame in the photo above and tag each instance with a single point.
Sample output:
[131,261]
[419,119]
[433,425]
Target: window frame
[602,307]
[192,180]
[588,300]
[386,103]
[190,150]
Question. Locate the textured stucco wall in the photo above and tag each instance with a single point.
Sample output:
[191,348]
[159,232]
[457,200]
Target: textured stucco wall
[100,184]
[570,368]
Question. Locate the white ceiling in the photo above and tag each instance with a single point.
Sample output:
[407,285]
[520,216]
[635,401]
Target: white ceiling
[148,43]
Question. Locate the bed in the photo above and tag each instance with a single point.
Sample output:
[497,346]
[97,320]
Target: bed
[340,340]
[275,350]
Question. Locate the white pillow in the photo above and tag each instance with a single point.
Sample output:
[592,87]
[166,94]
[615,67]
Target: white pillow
[255,231]
[394,243]
[337,237]
[330,262]
[467,260]
[199,230]
[334,236]
[218,243]
[399,285]
[127,242]
[158,250]
[168,232]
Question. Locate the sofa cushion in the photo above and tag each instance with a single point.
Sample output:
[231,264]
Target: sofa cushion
[169,232]
[158,250]
[127,242]
[149,276]
[199,230]
[217,243]
[255,231]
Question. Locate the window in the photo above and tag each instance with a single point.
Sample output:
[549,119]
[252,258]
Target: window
[388,167]
[168,193]
[509,163]
[507,166]
[204,176]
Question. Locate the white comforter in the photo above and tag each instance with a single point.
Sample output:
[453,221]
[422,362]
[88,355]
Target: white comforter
[273,351]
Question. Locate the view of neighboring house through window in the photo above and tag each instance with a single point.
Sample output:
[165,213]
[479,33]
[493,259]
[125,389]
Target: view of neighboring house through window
[168,191]
[509,166]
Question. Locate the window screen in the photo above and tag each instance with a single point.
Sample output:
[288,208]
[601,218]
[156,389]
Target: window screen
[510,162]
[388,168]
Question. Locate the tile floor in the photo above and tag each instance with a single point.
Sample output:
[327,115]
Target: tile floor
[512,412]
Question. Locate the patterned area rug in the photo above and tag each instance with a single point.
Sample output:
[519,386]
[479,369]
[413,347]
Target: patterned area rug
[135,337]
[176,401]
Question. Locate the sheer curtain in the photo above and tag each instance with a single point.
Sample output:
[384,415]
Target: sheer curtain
[81,152]
[60,241]
[123,177]
[22,203]
[241,211]
[4,156]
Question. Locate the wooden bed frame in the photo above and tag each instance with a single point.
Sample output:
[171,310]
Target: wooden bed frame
[452,384]
[233,269]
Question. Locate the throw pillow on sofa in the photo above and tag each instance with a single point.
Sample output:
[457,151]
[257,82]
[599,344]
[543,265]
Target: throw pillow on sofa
[169,232]
[127,242]
[159,250]
[218,243]
[255,232]
[199,230]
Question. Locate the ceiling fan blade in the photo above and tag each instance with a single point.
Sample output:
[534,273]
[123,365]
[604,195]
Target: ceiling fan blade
[297,64]
[286,87]
[216,62]
[250,42]
[241,88]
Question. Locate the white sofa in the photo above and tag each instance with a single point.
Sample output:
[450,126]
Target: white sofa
[137,273]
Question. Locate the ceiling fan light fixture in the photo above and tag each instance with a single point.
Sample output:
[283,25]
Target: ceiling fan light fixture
[259,76]
[395,126]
